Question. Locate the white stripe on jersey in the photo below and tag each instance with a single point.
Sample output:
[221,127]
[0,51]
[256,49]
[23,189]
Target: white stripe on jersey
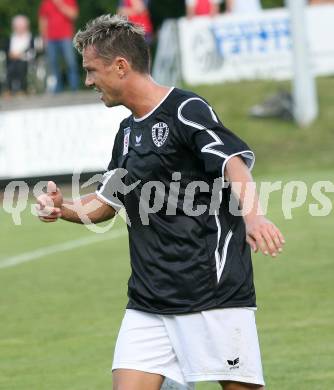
[209,148]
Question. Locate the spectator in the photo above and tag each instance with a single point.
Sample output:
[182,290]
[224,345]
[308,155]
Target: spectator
[137,12]
[18,50]
[243,6]
[56,21]
[202,7]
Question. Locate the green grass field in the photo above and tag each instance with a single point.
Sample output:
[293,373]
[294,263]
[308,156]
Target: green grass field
[60,314]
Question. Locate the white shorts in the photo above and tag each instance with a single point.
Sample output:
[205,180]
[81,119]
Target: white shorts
[212,345]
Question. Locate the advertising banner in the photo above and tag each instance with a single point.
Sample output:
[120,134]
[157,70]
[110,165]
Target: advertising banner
[255,46]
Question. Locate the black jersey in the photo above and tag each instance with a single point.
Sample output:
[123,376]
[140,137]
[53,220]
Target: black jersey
[188,251]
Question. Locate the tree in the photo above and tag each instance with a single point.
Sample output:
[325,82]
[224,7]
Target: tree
[88,10]
[160,10]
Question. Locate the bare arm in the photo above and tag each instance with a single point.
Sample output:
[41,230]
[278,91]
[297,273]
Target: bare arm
[317,2]
[88,209]
[43,24]
[190,11]
[229,5]
[215,9]
[260,232]
[85,210]
[68,10]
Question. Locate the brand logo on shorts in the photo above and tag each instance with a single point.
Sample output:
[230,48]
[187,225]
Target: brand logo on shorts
[233,363]
[160,133]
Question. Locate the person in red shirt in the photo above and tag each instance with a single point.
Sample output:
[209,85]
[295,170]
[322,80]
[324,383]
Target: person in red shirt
[202,7]
[137,12]
[56,21]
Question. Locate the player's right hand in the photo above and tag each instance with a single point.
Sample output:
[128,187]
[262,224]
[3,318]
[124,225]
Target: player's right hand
[50,203]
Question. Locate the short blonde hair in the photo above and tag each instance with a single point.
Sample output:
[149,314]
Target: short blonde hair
[112,36]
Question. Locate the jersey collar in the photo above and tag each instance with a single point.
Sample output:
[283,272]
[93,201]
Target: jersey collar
[155,108]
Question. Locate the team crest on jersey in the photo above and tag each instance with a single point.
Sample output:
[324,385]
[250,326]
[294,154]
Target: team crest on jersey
[160,133]
[126,140]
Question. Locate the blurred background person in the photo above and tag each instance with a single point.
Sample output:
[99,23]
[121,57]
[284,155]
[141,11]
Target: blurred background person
[56,23]
[319,2]
[19,50]
[137,12]
[202,7]
[243,6]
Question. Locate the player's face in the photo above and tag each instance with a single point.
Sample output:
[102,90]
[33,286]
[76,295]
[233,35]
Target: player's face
[105,77]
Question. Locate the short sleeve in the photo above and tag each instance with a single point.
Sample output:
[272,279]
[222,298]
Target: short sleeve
[209,139]
[110,188]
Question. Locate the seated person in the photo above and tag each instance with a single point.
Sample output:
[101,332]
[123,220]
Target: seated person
[19,50]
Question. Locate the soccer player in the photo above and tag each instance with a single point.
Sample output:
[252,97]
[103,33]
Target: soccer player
[191,310]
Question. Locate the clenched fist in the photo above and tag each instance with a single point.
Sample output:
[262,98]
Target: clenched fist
[50,203]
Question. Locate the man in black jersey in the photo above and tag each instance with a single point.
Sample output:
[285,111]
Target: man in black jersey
[181,177]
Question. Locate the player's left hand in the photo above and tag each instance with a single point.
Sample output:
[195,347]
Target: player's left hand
[263,235]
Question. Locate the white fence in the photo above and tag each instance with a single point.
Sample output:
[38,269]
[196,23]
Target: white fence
[59,140]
